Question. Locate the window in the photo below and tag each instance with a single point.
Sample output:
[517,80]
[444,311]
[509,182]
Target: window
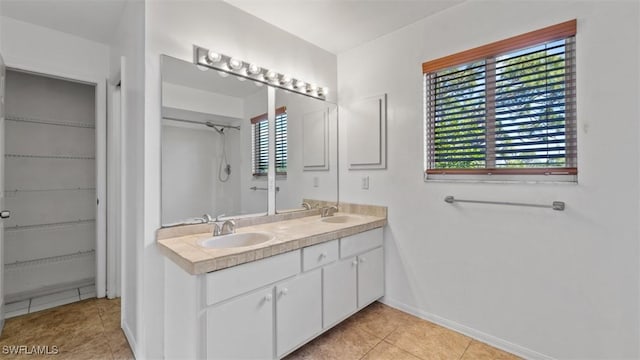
[260,136]
[507,108]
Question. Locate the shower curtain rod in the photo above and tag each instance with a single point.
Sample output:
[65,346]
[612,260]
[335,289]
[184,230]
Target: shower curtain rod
[201,123]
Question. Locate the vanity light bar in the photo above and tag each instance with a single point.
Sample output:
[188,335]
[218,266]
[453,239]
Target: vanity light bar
[235,66]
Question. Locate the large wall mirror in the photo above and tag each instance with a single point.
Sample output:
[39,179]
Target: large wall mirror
[215,149]
[207,143]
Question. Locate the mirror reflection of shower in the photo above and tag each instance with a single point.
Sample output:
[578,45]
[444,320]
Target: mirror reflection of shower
[224,168]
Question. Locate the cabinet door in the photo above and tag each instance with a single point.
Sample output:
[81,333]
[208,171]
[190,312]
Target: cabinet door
[370,276]
[298,310]
[241,328]
[339,291]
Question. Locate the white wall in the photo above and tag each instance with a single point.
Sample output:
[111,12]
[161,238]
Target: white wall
[129,42]
[183,97]
[41,49]
[1,37]
[562,284]
[172,28]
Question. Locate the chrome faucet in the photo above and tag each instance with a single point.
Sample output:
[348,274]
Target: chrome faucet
[206,218]
[227,227]
[328,211]
[306,205]
[230,227]
[216,229]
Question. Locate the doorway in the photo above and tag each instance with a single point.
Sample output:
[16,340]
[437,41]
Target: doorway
[50,187]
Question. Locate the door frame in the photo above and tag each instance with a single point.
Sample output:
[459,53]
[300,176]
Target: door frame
[114,136]
[42,68]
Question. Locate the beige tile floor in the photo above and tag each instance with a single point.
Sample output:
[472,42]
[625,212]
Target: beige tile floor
[380,332]
[89,329]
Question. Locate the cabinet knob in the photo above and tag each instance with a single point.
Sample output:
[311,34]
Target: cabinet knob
[323,255]
[354,262]
[268,297]
[284,291]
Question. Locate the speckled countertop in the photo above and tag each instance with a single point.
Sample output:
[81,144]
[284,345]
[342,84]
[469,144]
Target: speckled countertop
[182,246]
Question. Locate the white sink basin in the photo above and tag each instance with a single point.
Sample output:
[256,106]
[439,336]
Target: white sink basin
[236,240]
[337,219]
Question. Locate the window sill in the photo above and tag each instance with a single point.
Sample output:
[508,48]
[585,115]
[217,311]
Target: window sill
[503,179]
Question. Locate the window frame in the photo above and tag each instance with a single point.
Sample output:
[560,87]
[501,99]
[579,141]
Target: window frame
[261,119]
[489,53]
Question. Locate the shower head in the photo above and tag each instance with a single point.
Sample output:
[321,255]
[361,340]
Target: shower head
[217,128]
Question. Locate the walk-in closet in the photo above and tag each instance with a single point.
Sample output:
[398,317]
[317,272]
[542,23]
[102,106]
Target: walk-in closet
[50,172]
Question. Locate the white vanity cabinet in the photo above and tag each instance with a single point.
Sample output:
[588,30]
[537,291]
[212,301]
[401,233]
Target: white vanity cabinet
[298,311]
[356,280]
[243,327]
[267,308]
[233,325]
[339,291]
[370,273]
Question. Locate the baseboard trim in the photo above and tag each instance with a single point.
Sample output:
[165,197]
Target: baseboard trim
[470,332]
[132,341]
[48,290]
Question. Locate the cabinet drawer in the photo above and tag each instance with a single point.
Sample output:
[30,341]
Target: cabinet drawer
[227,283]
[358,243]
[319,255]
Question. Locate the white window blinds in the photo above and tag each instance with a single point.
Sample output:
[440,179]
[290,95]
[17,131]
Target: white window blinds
[260,144]
[510,110]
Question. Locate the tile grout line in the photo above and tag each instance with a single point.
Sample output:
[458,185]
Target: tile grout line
[381,341]
[401,349]
[373,347]
[465,349]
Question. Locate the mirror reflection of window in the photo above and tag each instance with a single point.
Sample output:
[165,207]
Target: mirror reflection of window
[260,143]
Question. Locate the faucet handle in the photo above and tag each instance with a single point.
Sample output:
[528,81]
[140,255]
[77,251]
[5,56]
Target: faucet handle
[206,218]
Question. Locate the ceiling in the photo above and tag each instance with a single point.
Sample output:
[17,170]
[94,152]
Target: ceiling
[339,25]
[184,73]
[334,25]
[94,20]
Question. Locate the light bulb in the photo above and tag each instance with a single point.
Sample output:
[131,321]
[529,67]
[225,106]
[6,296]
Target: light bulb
[311,88]
[235,64]
[323,91]
[285,80]
[270,75]
[300,84]
[253,69]
[213,57]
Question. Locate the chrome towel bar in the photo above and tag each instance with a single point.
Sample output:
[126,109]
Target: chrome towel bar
[254,188]
[556,205]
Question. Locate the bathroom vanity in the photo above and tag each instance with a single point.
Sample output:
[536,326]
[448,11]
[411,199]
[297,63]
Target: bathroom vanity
[264,301]
[283,279]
